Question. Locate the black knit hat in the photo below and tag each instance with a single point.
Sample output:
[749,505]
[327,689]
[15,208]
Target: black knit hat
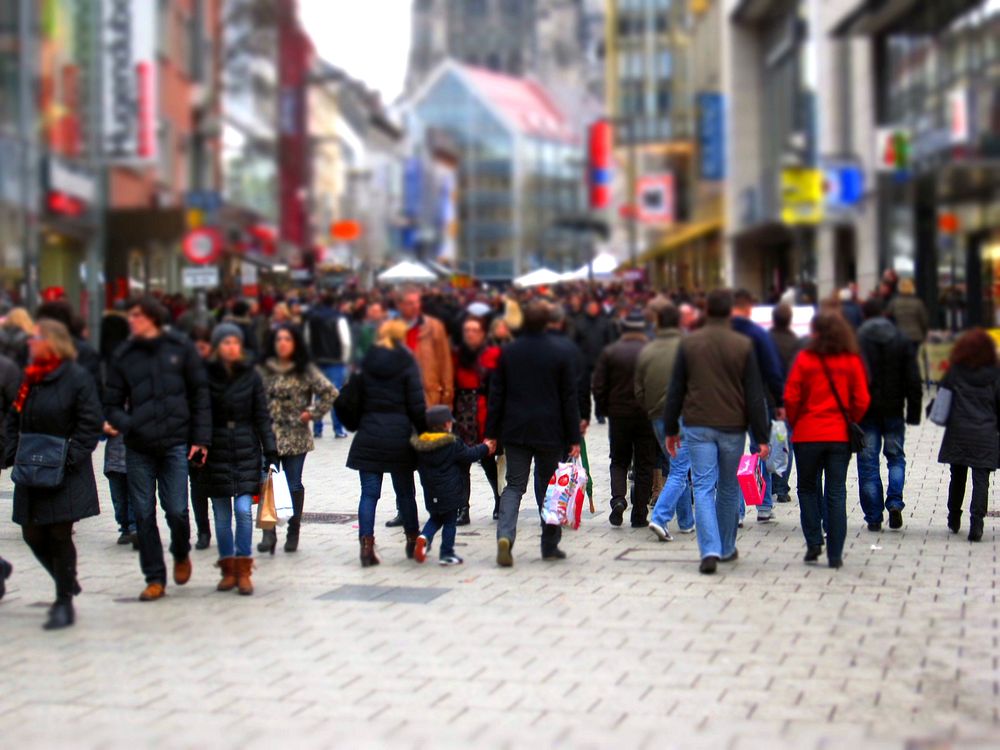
[438,417]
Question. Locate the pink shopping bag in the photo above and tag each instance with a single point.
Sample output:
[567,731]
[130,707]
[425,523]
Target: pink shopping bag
[751,479]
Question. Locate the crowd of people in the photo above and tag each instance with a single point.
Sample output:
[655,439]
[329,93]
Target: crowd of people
[196,401]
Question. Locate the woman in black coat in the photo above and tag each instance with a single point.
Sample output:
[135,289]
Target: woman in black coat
[58,397]
[392,409]
[971,437]
[241,436]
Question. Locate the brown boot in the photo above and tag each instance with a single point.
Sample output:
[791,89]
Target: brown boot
[228,567]
[244,566]
[368,555]
[411,543]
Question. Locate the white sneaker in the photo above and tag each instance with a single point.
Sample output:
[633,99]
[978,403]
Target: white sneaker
[764,518]
[687,531]
[661,533]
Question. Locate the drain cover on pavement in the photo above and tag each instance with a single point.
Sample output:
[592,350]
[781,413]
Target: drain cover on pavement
[338,518]
[397,594]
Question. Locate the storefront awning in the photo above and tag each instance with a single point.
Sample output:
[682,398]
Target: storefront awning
[682,237]
[902,16]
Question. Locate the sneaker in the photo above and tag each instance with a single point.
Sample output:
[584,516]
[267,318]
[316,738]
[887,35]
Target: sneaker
[617,514]
[687,531]
[152,592]
[451,560]
[504,558]
[875,527]
[661,533]
[708,565]
[124,538]
[764,517]
[731,558]
[340,435]
[783,499]
[182,571]
[895,519]
[420,549]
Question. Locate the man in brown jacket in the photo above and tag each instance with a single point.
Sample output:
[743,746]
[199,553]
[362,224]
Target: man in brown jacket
[427,339]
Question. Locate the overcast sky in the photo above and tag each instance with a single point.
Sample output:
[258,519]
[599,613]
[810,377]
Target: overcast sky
[370,39]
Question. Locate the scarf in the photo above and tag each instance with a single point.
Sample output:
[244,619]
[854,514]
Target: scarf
[33,375]
[468,359]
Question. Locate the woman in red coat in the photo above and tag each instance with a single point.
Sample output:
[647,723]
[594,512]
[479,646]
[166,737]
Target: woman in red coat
[474,361]
[819,429]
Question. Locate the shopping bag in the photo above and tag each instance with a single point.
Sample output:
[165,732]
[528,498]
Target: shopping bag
[282,496]
[751,478]
[590,479]
[501,473]
[940,408]
[564,497]
[267,516]
[777,462]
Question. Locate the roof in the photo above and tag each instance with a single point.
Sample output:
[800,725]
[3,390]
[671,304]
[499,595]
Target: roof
[520,101]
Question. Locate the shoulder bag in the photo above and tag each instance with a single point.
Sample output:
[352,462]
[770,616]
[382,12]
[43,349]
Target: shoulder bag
[40,461]
[350,402]
[855,435]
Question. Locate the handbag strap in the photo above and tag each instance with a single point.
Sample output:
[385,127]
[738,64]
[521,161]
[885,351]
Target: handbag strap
[833,388]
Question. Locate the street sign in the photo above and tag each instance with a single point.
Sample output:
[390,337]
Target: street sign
[711,135]
[801,196]
[892,149]
[207,201]
[345,231]
[202,246]
[206,277]
[656,199]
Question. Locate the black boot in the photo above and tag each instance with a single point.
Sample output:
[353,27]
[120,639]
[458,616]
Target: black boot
[976,529]
[268,541]
[292,539]
[61,615]
[463,517]
[204,540]
[5,570]
[396,521]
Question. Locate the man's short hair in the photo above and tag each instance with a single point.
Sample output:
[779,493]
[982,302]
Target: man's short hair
[742,298]
[720,303]
[781,316]
[151,308]
[537,316]
[872,308]
[667,315]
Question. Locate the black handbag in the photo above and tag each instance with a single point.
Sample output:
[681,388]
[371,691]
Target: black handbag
[855,435]
[40,460]
[348,405]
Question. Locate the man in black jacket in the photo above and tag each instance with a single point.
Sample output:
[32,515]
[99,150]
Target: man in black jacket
[592,331]
[894,382]
[330,347]
[631,433]
[157,396]
[533,412]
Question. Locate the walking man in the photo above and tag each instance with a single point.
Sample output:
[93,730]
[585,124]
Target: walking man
[157,396]
[533,412]
[716,388]
[330,348]
[894,383]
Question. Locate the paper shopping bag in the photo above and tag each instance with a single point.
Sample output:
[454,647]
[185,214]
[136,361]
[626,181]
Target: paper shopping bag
[267,516]
[282,496]
[751,479]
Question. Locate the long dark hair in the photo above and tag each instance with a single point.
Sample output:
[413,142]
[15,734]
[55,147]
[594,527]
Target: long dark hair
[300,357]
[974,349]
[832,334]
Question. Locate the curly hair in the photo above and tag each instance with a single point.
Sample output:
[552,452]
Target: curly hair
[974,349]
[832,334]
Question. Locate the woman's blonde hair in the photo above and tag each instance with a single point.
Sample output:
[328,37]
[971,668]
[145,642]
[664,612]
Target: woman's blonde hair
[906,286]
[20,318]
[57,337]
[391,333]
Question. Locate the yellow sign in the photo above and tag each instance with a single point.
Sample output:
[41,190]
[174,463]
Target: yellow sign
[195,218]
[801,196]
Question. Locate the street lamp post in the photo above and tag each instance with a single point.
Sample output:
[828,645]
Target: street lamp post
[29,152]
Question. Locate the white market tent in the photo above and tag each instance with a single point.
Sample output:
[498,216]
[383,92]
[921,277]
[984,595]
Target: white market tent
[604,264]
[406,272]
[539,277]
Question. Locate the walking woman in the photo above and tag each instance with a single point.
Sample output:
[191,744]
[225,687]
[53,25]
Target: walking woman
[297,394]
[241,432]
[201,337]
[971,440]
[392,409]
[57,398]
[828,373]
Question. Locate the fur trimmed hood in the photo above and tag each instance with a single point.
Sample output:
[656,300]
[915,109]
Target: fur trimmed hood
[432,441]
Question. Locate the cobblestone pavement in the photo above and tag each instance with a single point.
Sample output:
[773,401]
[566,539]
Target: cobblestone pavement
[622,645]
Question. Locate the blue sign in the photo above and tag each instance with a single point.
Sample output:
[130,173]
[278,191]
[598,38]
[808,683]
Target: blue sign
[712,135]
[208,201]
[844,186]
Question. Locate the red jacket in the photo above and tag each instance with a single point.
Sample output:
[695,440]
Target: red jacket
[811,407]
[475,379]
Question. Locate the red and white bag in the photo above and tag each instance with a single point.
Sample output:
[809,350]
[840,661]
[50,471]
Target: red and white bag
[565,495]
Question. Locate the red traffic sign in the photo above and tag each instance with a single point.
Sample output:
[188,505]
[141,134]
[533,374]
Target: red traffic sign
[345,231]
[203,246]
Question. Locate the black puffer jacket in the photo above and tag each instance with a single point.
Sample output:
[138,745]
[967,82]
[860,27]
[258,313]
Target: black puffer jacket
[614,377]
[592,334]
[443,461]
[971,438]
[164,384]
[65,404]
[241,432]
[392,409]
[893,378]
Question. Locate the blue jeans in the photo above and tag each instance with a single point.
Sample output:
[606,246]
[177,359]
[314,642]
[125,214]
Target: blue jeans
[124,517]
[676,492]
[293,466]
[715,458]
[166,475]
[447,523]
[335,374]
[223,508]
[829,509]
[371,491]
[887,436]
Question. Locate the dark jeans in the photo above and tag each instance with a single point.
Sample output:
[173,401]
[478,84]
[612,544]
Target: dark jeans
[293,466]
[166,475]
[371,491]
[980,491]
[199,503]
[831,461]
[446,522]
[632,439]
[519,458]
[336,374]
[885,436]
[124,517]
[53,546]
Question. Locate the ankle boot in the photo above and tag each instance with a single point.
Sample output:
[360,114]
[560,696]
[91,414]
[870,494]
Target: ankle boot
[228,567]
[292,538]
[268,541]
[368,555]
[976,529]
[411,543]
[244,566]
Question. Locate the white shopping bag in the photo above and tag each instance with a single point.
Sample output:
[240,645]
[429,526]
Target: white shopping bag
[282,495]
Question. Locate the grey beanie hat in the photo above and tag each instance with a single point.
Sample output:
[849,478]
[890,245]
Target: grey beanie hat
[438,416]
[223,331]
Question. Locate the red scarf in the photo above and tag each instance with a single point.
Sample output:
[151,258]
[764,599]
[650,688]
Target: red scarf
[34,374]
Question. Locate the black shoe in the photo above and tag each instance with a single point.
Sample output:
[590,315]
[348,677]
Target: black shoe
[731,558]
[640,523]
[395,523]
[876,527]
[836,564]
[617,514]
[135,541]
[5,571]
[204,540]
[463,517]
[708,565]
[124,538]
[813,553]
[976,530]
[268,541]
[554,554]
[954,523]
[61,616]
[496,515]
[895,519]
[783,499]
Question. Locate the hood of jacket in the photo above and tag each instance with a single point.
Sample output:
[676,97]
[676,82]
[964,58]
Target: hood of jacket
[426,442]
[980,377]
[384,363]
[879,330]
